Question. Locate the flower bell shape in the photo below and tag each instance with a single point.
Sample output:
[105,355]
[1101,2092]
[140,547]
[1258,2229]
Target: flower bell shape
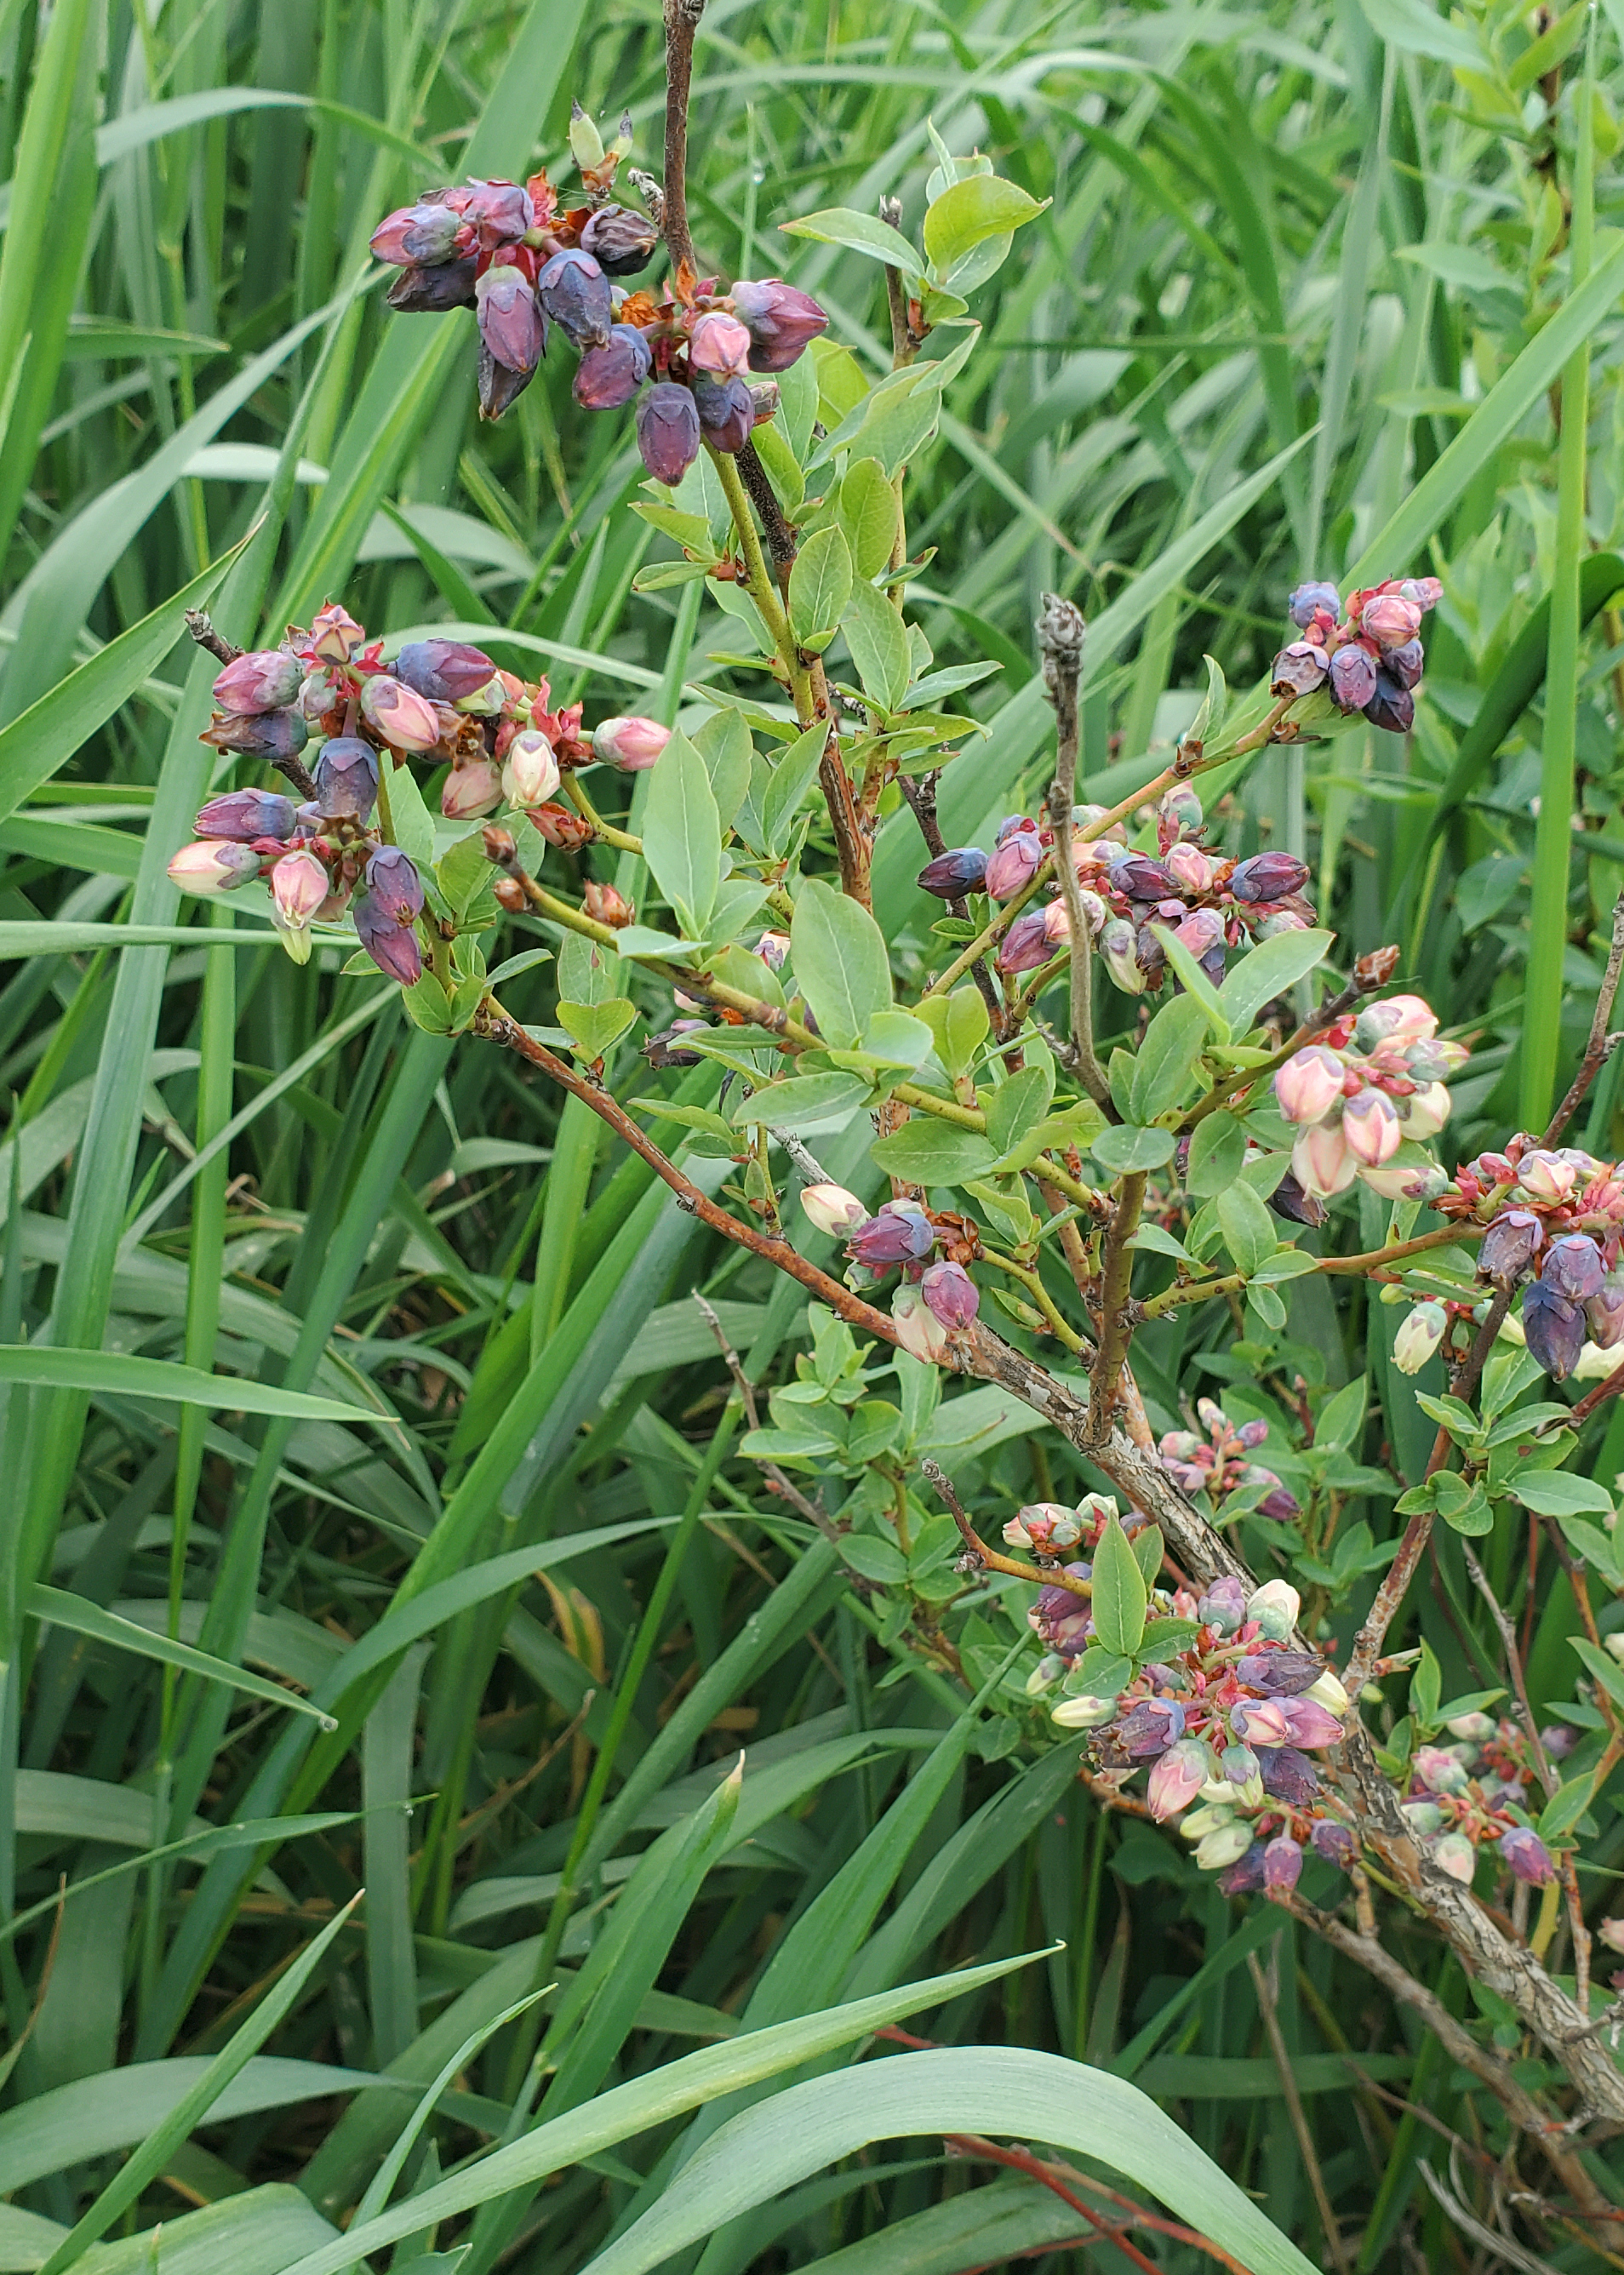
[1013,865]
[1026,945]
[782,322]
[1333,1842]
[1604,1312]
[1277,1607]
[1392,706]
[424,234]
[726,412]
[1282,1864]
[833,1210]
[444,671]
[719,345]
[632,743]
[1419,1336]
[1299,669]
[950,876]
[1510,1245]
[394,885]
[273,734]
[265,679]
[1310,1084]
[1371,1128]
[1268,877]
[1178,1777]
[622,242]
[1405,664]
[1527,1857]
[951,1294]
[1352,676]
[1224,1605]
[300,884]
[470,790]
[1390,620]
[432,291]
[919,1330]
[346,777]
[246,814]
[1554,1330]
[499,212]
[1322,1160]
[392,947]
[213,865]
[335,636]
[1150,1726]
[1573,1267]
[511,325]
[1119,953]
[898,1233]
[608,376]
[668,431]
[530,772]
[574,294]
[399,713]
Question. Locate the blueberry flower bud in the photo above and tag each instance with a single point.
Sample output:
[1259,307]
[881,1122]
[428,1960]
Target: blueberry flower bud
[394,885]
[1276,1606]
[216,866]
[951,1294]
[1311,600]
[300,883]
[1526,1855]
[1148,1728]
[1013,865]
[1453,1853]
[431,292]
[1390,620]
[1310,1084]
[499,211]
[1573,1267]
[265,679]
[900,1233]
[400,716]
[726,410]
[1604,1312]
[1554,1330]
[781,322]
[1405,664]
[1371,1128]
[246,814]
[719,345]
[574,294]
[392,947]
[530,772]
[335,636]
[951,875]
[661,1050]
[511,325]
[1288,1775]
[1268,877]
[1289,1201]
[917,1328]
[832,1209]
[620,241]
[1309,1724]
[633,745]
[1510,1246]
[1026,944]
[609,376]
[1322,1160]
[1353,676]
[1333,1842]
[1142,879]
[424,234]
[1282,1864]
[1118,951]
[1299,669]
[1392,706]
[346,777]
[470,790]
[1178,1777]
[265,735]
[444,671]
[667,432]
[1419,1337]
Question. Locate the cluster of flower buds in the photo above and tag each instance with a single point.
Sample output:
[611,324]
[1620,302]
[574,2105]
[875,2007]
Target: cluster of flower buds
[1229,1722]
[1368,660]
[1209,903]
[326,709]
[1555,1219]
[1059,1617]
[1218,1464]
[667,1049]
[527,265]
[1371,1082]
[937,1296]
[1473,1794]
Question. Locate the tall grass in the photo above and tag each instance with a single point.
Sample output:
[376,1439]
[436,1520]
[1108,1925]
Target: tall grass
[445,1450]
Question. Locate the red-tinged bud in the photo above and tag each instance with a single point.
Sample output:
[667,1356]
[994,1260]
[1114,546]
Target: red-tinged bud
[1426,591]
[773,948]
[575,294]
[765,398]
[1392,707]
[719,346]
[432,291]
[1268,877]
[606,905]
[1309,1724]
[1311,600]
[951,875]
[399,713]
[530,771]
[1310,1084]
[246,814]
[346,775]
[1190,867]
[500,212]
[833,1210]
[218,866]
[335,636]
[1200,931]
[1178,1777]
[1283,1865]
[392,947]
[1371,1128]
[919,1330]
[509,896]
[899,1233]
[1026,944]
[1322,1161]
[1390,620]
[444,671]
[511,325]
[266,735]
[951,1294]
[394,885]
[300,883]
[1013,865]
[1299,669]
[667,432]
[726,412]
[1260,1721]
[423,236]
[471,789]
[1353,676]
[620,241]
[1179,816]
[607,377]
[265,679]
[781,322]
[1453,1853]
[632,743]
[1604,1312]
[562,827]
[1510,1245]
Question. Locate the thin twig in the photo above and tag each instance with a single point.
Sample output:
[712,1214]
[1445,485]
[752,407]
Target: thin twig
[681,22]
[1601,1045]
[976,1547]
[1115,1325]
[1060,633]
[780,536]
[200,625]
[807,1165]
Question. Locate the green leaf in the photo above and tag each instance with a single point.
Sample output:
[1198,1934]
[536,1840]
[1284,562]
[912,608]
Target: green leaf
[793,774]
[1165,1066]
[1123,1147]
[1267,970]
[803,1102]
[119,1374]
[682,835]
[820,588]
[959,1024]
[877,1560]
[1194,979]
[1120,1594]
[595,1028]
[867,511]
[1016,1107]
[77,1616]
[1248,1228]
[982,206]
[928,1151]
[1418,29]
[723,743]
[411,825]
[1341,1420]
[841,964]
[879,644]
[1100,1673]
[859,232]
[1217,1149]
[1559,1493]
[1565,1808]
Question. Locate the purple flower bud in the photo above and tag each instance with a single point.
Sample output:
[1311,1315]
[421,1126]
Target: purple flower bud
[1559,1739]
[1426,591]
[1299,669]
[781,322]
[1283,1865]
[619,240]
[951,1294]
[1526,1855]
[394,885]
[497,388]
[919,1330]
[951,875]
[1390,620]
[1553,1329]
[1573,1267]
[442,670]
[1119,952]
[1224,1606]
[1026,944]
[392,947]
[431,292]
[1287,1775]
[511,325]
[899,1233]
[267,734]
[1392,706]
[214,865]
[347,777]
[719,346]
[1510,1245]
[1311,600]
[660,1049]
[1334,1842]
[667,432]
[726,410]
[1309,1724]
[1353,676]
[1605,1312]
[608,376]
[246,814]
[1148,1728]
[1268,877]
[1142,879]
[265,679]
[1289,1200]
[1279,1673]
[1405,664]
[574,294]
[1245,1877]
[1013,865]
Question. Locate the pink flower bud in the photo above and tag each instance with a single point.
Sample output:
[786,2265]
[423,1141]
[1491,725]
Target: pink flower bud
[335,636]
[399,713]
[300,884]
[1282,1863]
[1178,1777]
[1202,930]
[782,322]
[951,1294]
[1547,1177]
[1309,1724]
[470,790]
[1419,1337]
[265,679]
[633,745]
[511,324]
[917,1328]
[1260,1722]
[1370,1127]
[1390,620]
[1453,1853]
[1426,1111]
[719,346]
[213,866]
[1397,1020]
[530,772]
[832,1209]
[1012,865]
[1310,1084]
[773,948]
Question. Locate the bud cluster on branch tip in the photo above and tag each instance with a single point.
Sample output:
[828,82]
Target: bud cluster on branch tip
[1368,658]
[330,709]
[1474,1795]
[1211,905]
[1555,1218]
[528,265]
[1229,1721]
[1364,1095]
[1219,1466]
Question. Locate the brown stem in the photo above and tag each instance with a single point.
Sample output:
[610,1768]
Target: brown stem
[977,1548]
[1061,632]
[200,625]
[1115,1325]
[1592,1399]
[780,536]
[1601,1044]
[681,22]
